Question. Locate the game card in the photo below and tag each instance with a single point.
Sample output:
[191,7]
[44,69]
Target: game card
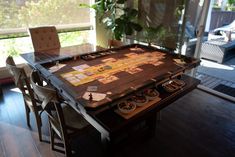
[56,68]
[92,88]
[81,67]
[133,70]
[95,96]
[131,54]
[108,79]
[137,49]
[70,78]
[109,60]
[155,63]
[80,76]
[179,61]
[67,75]
[88,73]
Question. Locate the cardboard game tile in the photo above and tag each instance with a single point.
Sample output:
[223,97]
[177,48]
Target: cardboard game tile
[134,70]
[108,79]
[109,60]
[131,54]
[81,67]
[80,76]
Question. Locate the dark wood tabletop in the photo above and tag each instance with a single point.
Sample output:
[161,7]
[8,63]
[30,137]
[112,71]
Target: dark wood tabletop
[119,73]
[34,58]
[165,67]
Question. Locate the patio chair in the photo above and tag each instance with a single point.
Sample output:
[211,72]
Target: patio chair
[32,103]
[63,120]
[44,38]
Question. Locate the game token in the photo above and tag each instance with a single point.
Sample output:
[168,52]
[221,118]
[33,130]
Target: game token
[90,97]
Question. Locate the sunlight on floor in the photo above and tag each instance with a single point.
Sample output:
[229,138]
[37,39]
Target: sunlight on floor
[210,64]
[15,90]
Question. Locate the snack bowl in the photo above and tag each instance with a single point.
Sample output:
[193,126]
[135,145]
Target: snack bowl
[151,93]
[139,99]
[126,107]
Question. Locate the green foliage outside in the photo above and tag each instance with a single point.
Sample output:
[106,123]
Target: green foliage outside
[38,13]
[229,7]
[117,17]
[43,12]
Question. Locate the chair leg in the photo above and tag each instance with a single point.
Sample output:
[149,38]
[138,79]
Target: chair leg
[39,125]
[52,136]
[27,112]
[67,149]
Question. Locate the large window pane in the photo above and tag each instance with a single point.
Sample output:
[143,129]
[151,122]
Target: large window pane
[15,46]
[17,15]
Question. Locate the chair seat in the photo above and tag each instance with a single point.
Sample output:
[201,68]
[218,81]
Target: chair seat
[72,118]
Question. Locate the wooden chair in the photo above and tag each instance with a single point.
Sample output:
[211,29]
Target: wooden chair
[44,38]
[32,104]
[114,43]
[63,120]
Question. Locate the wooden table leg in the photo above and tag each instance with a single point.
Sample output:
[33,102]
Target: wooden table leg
[159,116]
[107,146]
[151,122]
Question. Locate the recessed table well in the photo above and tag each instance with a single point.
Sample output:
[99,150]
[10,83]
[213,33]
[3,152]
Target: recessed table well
[117,73]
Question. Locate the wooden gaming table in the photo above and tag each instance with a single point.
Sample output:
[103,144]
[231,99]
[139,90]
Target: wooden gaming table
[117,74]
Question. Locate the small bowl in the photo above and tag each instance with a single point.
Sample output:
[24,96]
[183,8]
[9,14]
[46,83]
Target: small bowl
[151,93]
[126,107]
[139,99]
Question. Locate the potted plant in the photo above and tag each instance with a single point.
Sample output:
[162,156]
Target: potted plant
[117,17]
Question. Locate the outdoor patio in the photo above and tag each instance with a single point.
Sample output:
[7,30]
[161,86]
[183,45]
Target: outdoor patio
[220,77]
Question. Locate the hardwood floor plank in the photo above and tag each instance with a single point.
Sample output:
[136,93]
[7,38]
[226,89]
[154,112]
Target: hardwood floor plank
[198,124]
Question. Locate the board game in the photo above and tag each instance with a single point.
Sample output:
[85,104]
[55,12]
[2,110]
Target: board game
[105,72]
[98,78]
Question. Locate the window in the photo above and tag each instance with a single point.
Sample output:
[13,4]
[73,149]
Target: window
[156,13]
[73,23]
[17,15]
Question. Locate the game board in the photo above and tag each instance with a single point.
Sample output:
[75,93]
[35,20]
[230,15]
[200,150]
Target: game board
[105,71]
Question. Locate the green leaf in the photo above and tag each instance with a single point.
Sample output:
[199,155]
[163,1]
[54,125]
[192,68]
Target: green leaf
[117,34]
[136,27]
[128,29]
[121,1]
[132,13]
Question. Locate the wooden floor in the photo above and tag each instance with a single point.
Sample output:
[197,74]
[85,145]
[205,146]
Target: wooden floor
[197,125]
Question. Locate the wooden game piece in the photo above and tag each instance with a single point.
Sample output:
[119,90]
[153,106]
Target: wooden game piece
[90,97]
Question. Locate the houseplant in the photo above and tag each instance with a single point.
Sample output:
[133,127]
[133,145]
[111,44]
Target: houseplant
[117,17]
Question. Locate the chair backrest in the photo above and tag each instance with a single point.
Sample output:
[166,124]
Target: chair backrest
[44,38]
[21,80]
[114,43]
[50,104]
